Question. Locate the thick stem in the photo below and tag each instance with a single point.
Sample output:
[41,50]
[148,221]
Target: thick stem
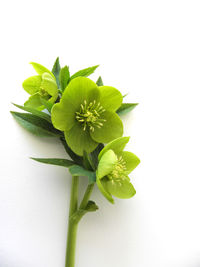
[72,226]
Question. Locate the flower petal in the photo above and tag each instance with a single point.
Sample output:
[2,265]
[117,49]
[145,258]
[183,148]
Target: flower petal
[79,90]
[80,140]
[120,188]
[110,98]
[105,193]
[131,161]
[116,145]
[63,115]
[34,102]
[49,84]
[106,164]
[40,69]
[112,128]
[32,84]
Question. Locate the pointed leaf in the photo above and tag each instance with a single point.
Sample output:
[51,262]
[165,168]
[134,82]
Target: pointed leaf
[76,170]
[87,161]
[56,71]
[91,206]
[84,72]
[54,161]
[94,155]
[99,82]
[35,112]
[126,107]
[64,78]
[35,125]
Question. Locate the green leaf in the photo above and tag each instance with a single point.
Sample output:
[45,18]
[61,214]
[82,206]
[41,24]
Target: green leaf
[78,160]
[126,107]
[112,128]
[106,164]
[110,98]
[94,155]
[40,69]
[56,71]
[120,188]
[35,125]
[35,112]
[125,95]
[116,145]
[87,163]
[76,170]
[54,161]
[84,72]
[99,82]
[64,78]
[91,206]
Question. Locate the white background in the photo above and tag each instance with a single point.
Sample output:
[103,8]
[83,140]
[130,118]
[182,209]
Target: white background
[150,49]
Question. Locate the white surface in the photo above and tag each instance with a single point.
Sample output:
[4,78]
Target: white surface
[148,48]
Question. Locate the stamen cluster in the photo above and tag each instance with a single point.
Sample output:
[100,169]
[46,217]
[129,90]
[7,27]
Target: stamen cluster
[89,115]
[119,169]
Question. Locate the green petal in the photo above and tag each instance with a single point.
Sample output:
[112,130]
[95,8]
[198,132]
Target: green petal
[131,161]
[40,69]
[110,98]
[80,140]
[49,84]
[106,164]
[120,188]
[105,193]
[63,115]
[112,128]
[34,101]
[32,84]
[79,90]
[116,145]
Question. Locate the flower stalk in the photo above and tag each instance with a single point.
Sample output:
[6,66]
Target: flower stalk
[72,225]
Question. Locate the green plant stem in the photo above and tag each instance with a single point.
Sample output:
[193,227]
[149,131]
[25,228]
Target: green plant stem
[86,196]
[72,226]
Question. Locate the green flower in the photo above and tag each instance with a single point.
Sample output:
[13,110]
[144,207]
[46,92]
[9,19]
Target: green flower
[42,86]
[86,114]
[113,169]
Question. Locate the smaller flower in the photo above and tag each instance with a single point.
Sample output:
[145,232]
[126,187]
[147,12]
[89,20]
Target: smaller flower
[42,86]
[113,169]
[87,115]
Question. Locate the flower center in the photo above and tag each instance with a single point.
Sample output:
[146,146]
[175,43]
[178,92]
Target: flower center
[43,93]
[119,170]
[89,115]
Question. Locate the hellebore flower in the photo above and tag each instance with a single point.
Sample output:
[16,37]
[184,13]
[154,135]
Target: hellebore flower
[113,169]
[86,114]
[42,86]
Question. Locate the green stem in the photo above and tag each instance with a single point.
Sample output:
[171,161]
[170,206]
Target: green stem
[72,226]
[86,196]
